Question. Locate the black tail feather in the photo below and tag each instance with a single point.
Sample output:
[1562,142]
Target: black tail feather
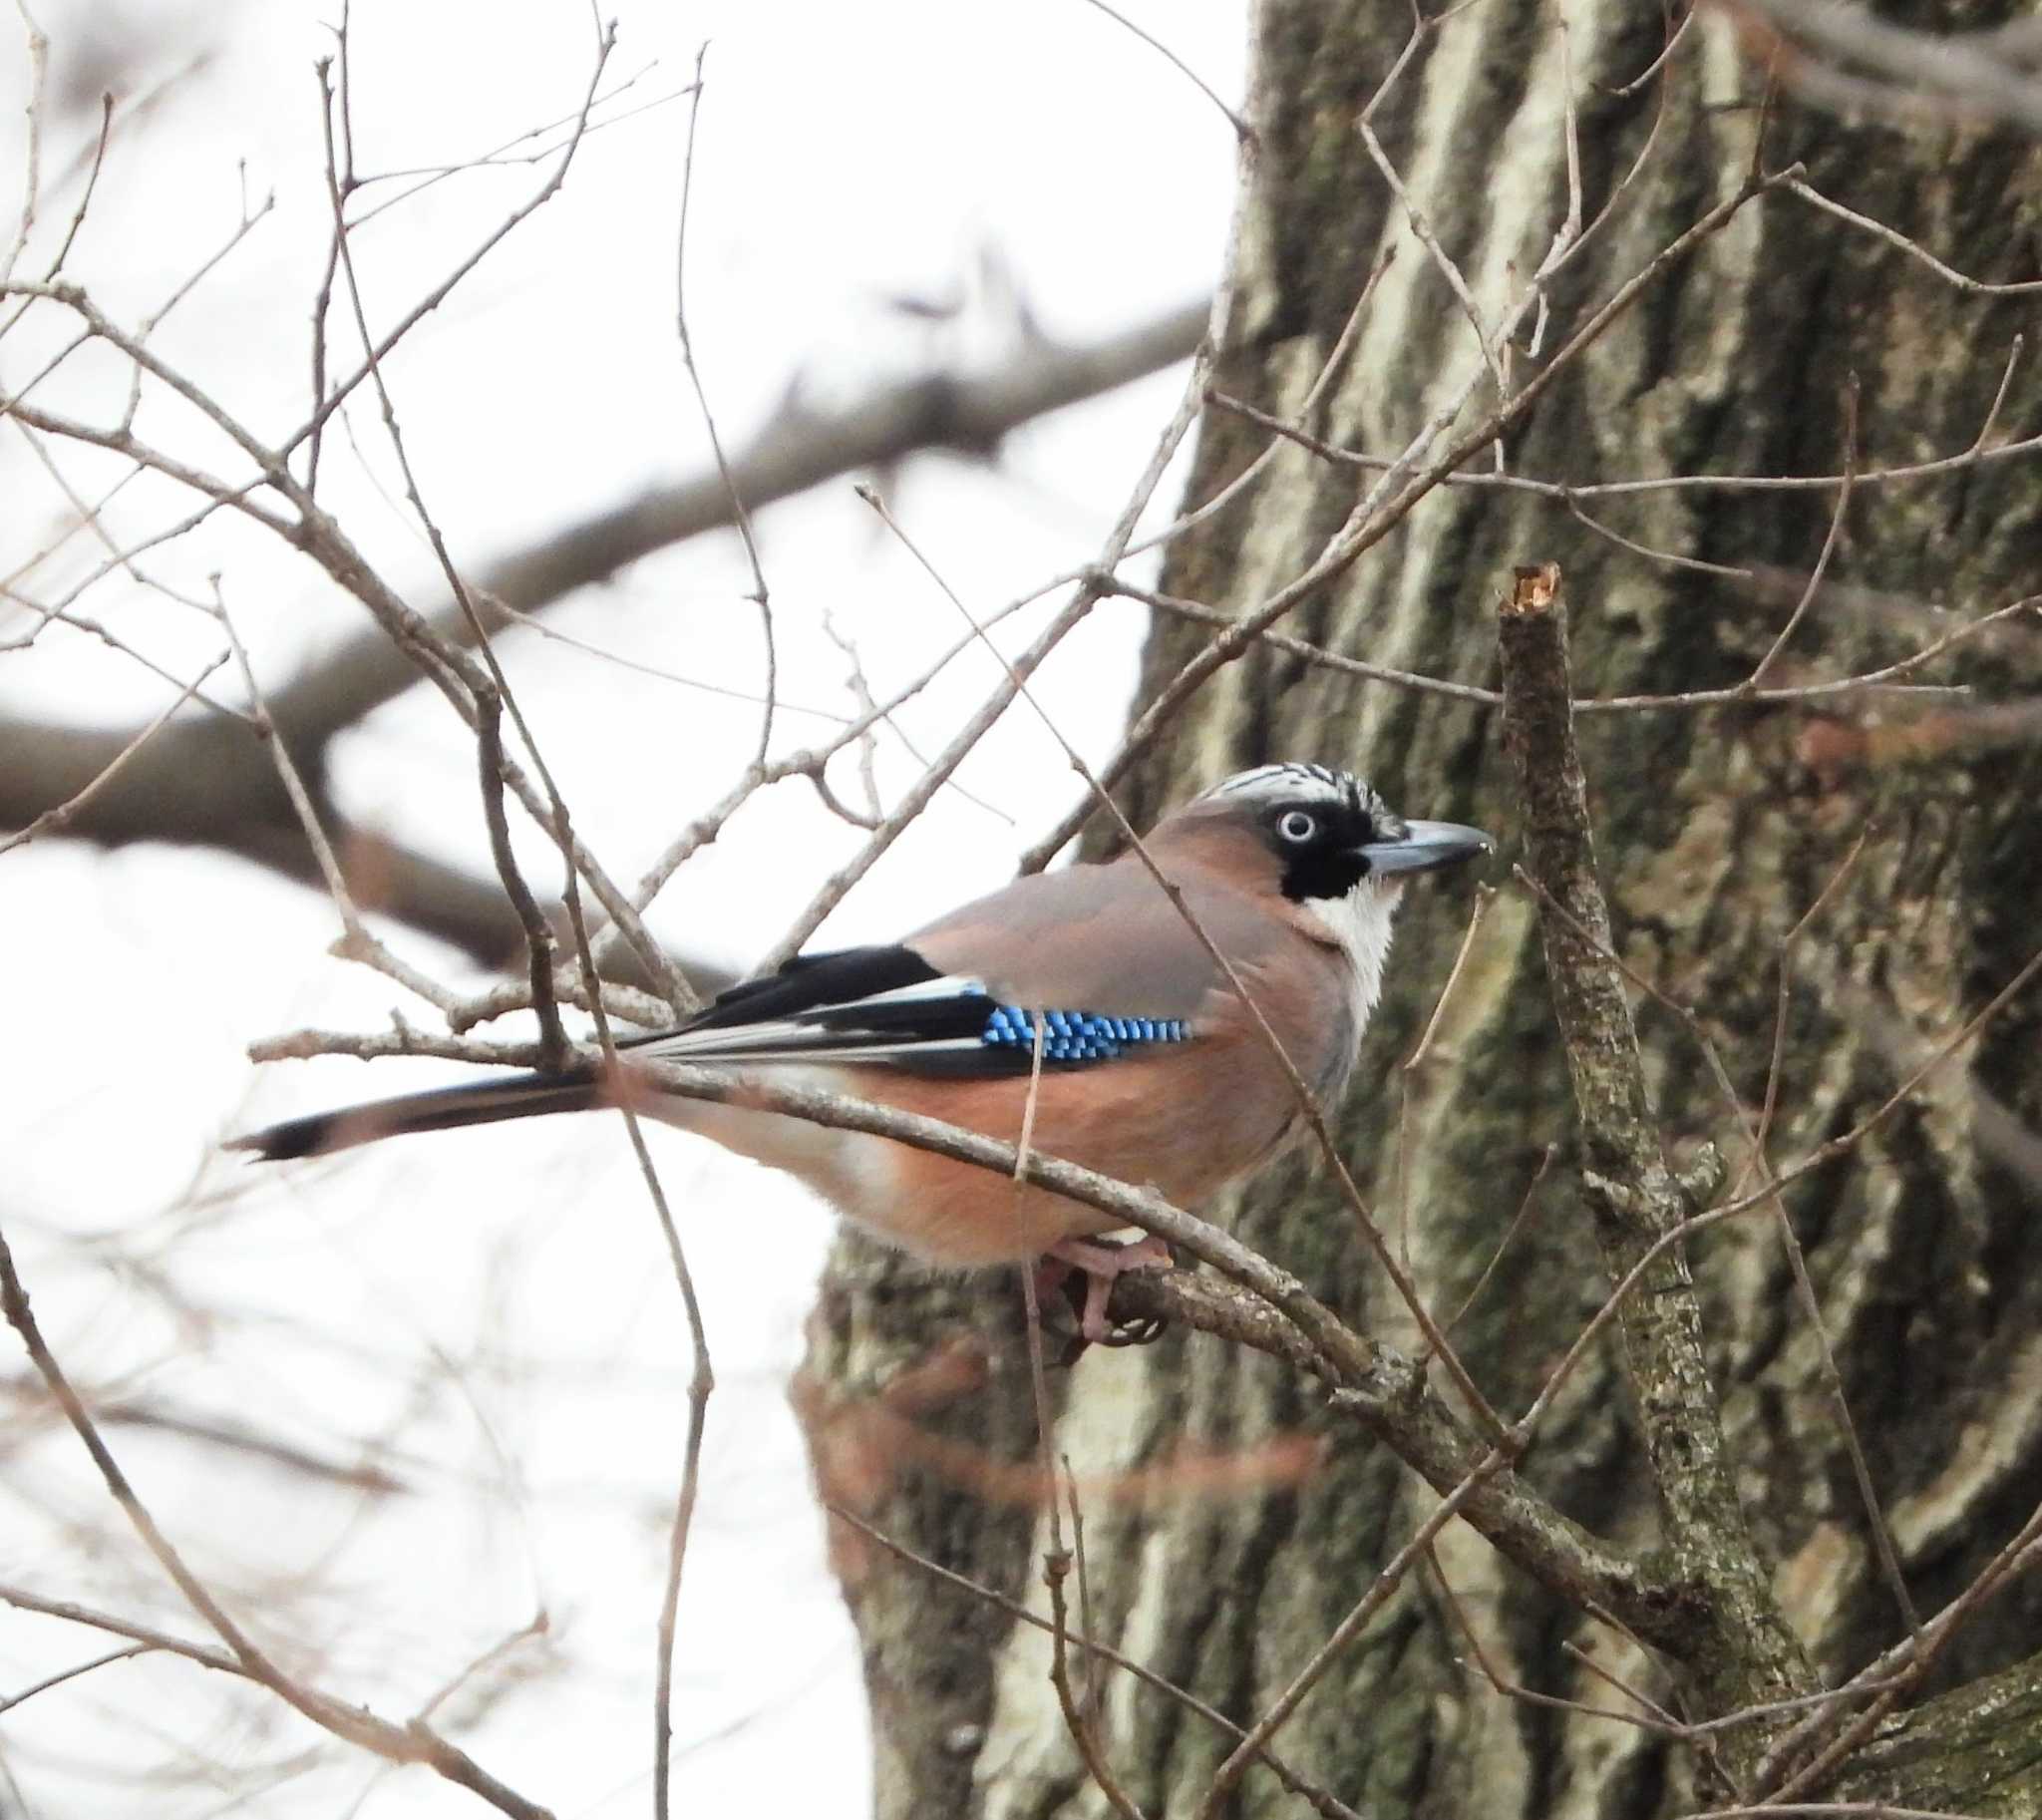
[517,1096]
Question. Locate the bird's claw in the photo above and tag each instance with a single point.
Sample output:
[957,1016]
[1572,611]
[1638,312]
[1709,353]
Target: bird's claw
[1094,1264]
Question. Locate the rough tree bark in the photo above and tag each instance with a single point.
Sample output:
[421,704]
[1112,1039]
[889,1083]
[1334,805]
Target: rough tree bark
[1717,830]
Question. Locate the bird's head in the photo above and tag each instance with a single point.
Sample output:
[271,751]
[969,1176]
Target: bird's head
[1328,843]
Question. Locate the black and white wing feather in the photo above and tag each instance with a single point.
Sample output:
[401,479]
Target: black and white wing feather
[889,1005]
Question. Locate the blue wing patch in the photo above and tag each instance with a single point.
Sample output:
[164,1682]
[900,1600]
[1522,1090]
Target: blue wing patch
[1077,1036]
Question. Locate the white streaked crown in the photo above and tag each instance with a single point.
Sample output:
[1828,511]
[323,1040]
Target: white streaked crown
[1293,782]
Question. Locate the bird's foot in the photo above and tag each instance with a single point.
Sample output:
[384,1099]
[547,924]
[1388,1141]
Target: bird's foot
[1100,1264]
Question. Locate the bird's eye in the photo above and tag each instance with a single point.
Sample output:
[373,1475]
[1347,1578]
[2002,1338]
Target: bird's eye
[1296,827]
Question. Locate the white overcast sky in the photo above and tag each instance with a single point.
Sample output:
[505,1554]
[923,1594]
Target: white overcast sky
[489,1315]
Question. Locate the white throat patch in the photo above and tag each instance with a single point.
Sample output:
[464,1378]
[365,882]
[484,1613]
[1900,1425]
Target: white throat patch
[1360,924]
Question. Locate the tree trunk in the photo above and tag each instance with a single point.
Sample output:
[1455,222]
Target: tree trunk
[1718,830]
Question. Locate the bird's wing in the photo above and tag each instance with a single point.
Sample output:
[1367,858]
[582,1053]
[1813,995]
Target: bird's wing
[890,1005]
[1099,953]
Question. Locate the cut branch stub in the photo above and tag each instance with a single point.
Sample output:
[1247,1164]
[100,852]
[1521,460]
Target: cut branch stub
[1740,1651]
[1618,1132]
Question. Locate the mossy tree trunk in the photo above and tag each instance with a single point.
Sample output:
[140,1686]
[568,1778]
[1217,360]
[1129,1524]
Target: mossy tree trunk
[1717,829]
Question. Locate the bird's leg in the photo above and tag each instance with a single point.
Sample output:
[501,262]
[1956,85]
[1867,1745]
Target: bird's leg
[1101,1264]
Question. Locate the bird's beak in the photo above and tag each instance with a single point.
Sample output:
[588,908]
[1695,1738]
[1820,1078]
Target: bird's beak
[1426,846]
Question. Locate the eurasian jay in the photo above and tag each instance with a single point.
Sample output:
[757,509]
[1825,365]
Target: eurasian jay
[1152,1071]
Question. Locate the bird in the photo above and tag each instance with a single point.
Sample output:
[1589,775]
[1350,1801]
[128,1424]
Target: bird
[1152,1069]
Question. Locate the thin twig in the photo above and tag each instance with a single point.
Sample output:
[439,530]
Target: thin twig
[1516,1690]
[739,516]
[32,160]
[1511,1232]
[55,819]
[58,1679]
[1821,562]
[1976,287]
[1241,130]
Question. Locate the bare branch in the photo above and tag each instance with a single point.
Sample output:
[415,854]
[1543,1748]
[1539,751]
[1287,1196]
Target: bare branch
[412,1743]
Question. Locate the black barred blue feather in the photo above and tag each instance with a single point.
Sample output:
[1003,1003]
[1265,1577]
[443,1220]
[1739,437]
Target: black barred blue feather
[1077,1036]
